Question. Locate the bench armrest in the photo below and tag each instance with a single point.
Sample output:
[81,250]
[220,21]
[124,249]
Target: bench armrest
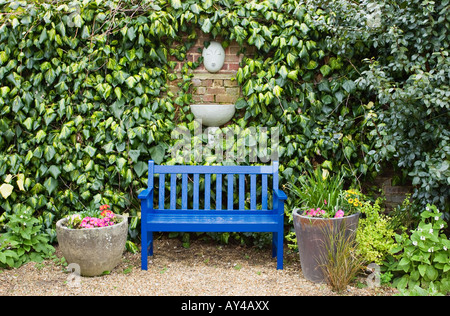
[280,195]
[145,194]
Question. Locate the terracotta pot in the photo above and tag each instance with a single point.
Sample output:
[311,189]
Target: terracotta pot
[312,234]
[95,250]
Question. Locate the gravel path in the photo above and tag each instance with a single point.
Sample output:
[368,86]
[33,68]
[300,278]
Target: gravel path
[204,269]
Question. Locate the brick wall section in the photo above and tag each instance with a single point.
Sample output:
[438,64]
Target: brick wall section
[394,195]
[216,88]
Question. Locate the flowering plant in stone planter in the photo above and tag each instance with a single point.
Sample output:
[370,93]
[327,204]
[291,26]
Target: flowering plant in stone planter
[93,239]
[91,219]
[322,196]
[325,212]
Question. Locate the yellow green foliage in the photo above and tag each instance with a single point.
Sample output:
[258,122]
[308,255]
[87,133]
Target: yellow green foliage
[374,235]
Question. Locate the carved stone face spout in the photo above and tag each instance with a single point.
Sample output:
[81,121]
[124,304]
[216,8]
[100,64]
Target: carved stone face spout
[213,57]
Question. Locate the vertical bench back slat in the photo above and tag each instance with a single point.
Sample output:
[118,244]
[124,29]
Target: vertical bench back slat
[230,177]
[173,191]
[219,191]
[253,191]
[264,192]
[196,196]
[241,191]
[184,191]
[161,190]
[207,191]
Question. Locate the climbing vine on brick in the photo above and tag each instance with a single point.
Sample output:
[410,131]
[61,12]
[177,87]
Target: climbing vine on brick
[84,99]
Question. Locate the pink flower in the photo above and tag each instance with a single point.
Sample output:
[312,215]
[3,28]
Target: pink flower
[314,212]
[339,213]
[325,201]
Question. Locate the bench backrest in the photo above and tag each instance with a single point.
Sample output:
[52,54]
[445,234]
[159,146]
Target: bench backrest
[251,183]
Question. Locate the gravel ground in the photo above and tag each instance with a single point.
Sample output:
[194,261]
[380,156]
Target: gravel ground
[202,270]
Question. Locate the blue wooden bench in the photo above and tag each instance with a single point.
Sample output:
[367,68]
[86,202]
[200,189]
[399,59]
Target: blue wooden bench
[251,183]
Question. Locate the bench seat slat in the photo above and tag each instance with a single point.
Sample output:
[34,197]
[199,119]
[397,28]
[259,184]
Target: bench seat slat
[212,223]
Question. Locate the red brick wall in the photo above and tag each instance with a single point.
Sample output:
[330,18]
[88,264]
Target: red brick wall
[219,87]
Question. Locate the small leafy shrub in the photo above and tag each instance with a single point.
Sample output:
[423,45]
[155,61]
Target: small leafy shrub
[374,235]
[406,216]
[23,240]
[424,256]
[418,291]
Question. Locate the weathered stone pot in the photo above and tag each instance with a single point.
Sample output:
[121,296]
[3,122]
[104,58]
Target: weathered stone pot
[95,250]
[313,234]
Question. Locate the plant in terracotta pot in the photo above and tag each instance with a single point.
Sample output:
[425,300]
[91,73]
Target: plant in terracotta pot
[325,212]
[93,239]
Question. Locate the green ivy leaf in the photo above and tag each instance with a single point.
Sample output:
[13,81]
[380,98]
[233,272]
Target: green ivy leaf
[325,70]
[50,76]
[90,151]
[140,168]
[54,171]
[118,92]
[240,103]
[176,4]
[157,153]
[134,155]
[131,33]
[50,185]
[349,86]
[207,4]
[207,26]
[78,21]
[312,64]
[348,151]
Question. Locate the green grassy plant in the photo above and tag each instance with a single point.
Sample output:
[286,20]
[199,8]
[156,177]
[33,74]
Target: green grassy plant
[341,261]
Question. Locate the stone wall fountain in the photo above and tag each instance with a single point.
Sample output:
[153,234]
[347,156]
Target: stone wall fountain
[213,115]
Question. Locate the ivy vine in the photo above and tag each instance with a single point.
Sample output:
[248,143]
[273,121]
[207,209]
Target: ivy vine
[84,98]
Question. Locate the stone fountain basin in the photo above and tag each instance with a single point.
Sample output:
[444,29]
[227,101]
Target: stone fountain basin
[213,115]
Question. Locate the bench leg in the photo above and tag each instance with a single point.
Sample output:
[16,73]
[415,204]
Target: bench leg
[280,251]
[274,244]
[146,248]
[150,243]
[277,248]
[144,253]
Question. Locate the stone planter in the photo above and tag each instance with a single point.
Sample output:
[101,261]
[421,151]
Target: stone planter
[312,234]
[95,250]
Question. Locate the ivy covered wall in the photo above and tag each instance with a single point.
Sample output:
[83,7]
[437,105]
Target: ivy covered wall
[85,96]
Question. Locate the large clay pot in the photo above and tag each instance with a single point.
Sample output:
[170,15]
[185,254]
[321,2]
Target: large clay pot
[95,250]
[312,235]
